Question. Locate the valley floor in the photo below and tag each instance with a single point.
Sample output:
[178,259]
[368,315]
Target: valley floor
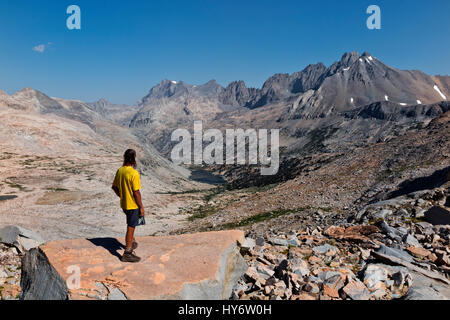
[72,198]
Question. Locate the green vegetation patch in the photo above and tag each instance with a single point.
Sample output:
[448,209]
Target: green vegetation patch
[15,185]
[56,189]
[203,212]
[318,136]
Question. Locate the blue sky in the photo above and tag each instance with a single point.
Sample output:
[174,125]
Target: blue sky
[126,47]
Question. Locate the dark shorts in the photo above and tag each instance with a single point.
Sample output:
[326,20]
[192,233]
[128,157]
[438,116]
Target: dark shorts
[132,217]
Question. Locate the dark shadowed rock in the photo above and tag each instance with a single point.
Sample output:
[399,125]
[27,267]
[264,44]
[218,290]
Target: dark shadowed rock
[438,216]
[40,281]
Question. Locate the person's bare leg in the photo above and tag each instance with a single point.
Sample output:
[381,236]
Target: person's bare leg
[129,238]
[129,255]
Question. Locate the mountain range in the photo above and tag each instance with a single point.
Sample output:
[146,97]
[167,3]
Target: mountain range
[299,103]
[356,100]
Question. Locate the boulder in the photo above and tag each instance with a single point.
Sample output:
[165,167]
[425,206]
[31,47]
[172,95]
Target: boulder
[325,249]
[354,234]
[391,232]
[280,242]
[299,267]
[23,239]
[247,245]
[373,275]
[356,290]
[396,252]
[398,261]
[419,252]
[410,240]
[438,216]
[202,266]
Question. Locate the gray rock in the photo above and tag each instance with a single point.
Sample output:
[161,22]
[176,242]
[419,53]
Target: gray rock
[424,293]
[422,287]
[410,240]
[314,279]
[248,244]
[398,253]
[391,232]
[21,238]
[328,274]
[402,230]
[382,214]
[420,214]
[324,249]
[425,225]
[264,272]
[260,241]
[356,290]
[116,295]
[335,282]
[299,267]
[397,261]
[374,274]
[293,241]
[40,281]
[280,242]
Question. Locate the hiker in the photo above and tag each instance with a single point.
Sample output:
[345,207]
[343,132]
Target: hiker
[127,186]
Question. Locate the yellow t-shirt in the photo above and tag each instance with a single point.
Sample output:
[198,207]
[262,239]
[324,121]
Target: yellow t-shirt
[127,180]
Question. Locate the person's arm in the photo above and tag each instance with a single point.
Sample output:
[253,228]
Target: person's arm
[115,184]
[138,198]
[116,190]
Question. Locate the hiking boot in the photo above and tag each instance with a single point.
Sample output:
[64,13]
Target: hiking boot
[135,245]
[130,257]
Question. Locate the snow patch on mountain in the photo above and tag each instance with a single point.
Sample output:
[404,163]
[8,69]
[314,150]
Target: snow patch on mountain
[440,92]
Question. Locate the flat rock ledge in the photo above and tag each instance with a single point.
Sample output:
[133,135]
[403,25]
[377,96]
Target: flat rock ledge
[202,266]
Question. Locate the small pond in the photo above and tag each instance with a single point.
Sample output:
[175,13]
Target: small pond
[206,177]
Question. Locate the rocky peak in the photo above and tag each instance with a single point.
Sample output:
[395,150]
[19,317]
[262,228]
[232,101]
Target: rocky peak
[165,89]
[349,58]
[237,94]
[308,78]
[210,89]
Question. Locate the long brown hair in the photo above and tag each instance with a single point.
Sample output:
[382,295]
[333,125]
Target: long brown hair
[130,158]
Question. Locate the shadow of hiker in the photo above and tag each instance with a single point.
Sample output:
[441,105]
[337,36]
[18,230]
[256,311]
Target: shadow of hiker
[110,244]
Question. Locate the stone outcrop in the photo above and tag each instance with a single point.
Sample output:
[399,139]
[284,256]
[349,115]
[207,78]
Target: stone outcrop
[23,239]
[200,266]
